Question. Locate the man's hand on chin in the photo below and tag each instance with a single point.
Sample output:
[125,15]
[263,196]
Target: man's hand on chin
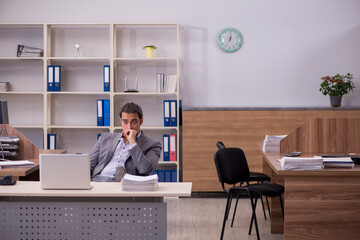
[130,135]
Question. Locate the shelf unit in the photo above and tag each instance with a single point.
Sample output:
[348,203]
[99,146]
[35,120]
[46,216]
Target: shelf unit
[71,113]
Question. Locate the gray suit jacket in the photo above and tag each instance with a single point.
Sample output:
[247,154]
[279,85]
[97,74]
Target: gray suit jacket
[143,158]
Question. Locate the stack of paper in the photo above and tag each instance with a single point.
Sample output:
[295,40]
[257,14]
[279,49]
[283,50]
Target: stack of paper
[345,162]
[272,143]
[296,163]
[139,183]
[12,164]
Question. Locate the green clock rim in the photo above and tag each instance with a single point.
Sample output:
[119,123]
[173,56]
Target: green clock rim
[233,30]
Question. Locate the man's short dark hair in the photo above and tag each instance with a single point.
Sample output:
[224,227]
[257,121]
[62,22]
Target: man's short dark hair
[132,108]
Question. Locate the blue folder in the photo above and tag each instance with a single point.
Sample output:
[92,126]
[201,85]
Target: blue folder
[173,175]
[50,78]
[57,78]
[173,113]
[166,145]
[166,113]
[106,78]
[100,112]
[51,141]
[167,175]
[106,112]
[161,174]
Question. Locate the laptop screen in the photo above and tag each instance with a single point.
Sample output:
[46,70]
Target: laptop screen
[65,171]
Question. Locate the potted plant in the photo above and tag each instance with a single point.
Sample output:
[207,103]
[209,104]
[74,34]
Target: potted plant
[149,50]
[336,87]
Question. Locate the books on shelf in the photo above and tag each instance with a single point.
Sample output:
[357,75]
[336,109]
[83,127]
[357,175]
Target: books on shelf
[166,82]
[345,162]
[4,86]
[272,143]
[139,183]
[300,163]
[27,51]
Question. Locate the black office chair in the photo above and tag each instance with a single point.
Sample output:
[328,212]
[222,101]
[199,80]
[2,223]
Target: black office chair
[254,177]
[232,168]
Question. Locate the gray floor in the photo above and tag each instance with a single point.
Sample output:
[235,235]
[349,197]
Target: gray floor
[201,218]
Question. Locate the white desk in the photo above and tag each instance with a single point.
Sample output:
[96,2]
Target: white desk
[103,212]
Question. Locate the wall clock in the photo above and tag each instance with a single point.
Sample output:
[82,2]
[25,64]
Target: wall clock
[229,40]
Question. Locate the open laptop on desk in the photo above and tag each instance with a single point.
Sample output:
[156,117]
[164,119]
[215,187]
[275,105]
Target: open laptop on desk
[65,171]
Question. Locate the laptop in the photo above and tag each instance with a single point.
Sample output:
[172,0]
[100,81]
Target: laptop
[65,171]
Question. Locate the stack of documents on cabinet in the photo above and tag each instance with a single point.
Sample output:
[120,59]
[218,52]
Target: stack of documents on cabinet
[272,143]
[297,163]
[337,162]
[12,164]
[139,183]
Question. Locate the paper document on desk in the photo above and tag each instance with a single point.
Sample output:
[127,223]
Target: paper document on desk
[12,164]
[272,143]
[296,163]
[139,183]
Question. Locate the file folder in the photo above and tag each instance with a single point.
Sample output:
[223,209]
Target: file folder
[166,113]
[50,78]
[172,147]
[51,141]
[167,175]
[161,175]
[173,175]
[57,78]
[166,156]
[100,112]
[173,113]
[106,78]
[106,112]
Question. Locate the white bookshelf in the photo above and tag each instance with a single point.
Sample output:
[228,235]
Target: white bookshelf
[71,113]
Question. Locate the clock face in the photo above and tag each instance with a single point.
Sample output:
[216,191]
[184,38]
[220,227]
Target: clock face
[230,40]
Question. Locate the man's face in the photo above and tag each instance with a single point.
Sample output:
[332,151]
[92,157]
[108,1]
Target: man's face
[131,121]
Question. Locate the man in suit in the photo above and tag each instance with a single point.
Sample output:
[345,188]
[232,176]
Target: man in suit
[130,151]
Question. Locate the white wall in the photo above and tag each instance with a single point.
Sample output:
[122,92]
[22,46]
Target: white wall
[288,44]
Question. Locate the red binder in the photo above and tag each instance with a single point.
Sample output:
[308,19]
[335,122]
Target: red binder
[172,147]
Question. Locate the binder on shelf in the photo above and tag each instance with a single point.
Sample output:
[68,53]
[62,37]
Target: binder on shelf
[106,78]
[57,78]
[167,175]
[161,175]
[166,156]
[172,147]
[173,175]
[99,112]
[106,112]
[173,113]
[50,78]
[51,141]
[166,113]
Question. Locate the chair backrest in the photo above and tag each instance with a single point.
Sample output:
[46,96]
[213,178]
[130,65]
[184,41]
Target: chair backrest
[231,166]
[220,145]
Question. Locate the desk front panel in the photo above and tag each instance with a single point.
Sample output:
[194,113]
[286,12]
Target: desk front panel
[45,218]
